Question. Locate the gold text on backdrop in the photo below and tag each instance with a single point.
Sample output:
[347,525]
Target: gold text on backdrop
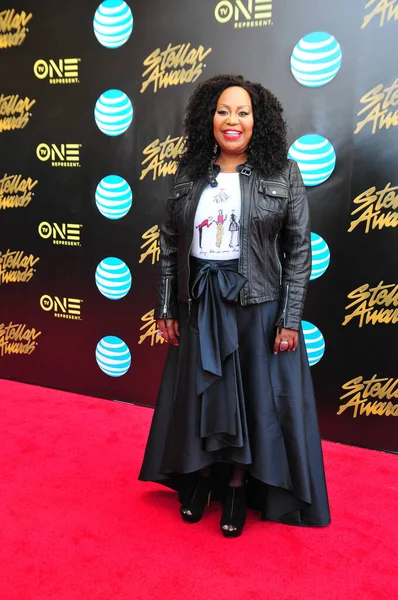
[360,391]
[162,157]
[14,112]
[15,191]
[16,266]
[150,329]
[168,67]
[387,10]
[17,338]
[378,102]
[372,203]
[366,301]
[151,237]
[13,27]
[64,308]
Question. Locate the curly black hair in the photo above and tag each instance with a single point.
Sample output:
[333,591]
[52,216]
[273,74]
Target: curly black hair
[268,146]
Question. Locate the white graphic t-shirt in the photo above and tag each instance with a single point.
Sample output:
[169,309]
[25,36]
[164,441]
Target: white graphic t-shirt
[217,220]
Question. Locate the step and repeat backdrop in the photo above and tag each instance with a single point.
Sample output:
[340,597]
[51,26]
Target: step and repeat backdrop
[91,101]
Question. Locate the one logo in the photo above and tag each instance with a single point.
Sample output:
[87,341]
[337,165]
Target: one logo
[60,155]
[113,278]
[244,13]
[62,234]
[113,23]
[16,266]
[320,256]
[113,356]
[113,112]
[17,338]
[113,197]
[14,112]
[314,342]
[63,70]
[174,66]
[15,191]
[315,156]
[64,308]
[316,59]
[13,28]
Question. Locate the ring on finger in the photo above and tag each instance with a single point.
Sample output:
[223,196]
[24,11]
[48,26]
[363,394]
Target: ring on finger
[159,332]
[283,345]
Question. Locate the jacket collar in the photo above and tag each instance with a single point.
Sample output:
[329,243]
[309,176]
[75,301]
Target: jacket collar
[213,170]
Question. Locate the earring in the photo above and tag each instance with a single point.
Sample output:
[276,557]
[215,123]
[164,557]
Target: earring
[215,149]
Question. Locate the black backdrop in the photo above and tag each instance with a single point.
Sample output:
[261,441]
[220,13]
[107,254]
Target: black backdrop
[356,379]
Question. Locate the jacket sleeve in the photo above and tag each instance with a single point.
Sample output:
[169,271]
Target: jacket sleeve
[296,246]
[167,291]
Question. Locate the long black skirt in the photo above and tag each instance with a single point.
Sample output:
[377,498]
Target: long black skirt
[254,409]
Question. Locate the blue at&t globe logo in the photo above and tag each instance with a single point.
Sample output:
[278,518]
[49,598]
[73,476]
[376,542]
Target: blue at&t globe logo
[113,197]
[113,112]
[315,156]
[316,59]
[113,278]
[314,342]
[113,356]
[320,256]
[113,23]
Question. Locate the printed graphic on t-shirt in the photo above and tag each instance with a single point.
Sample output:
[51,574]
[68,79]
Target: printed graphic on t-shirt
[217,220]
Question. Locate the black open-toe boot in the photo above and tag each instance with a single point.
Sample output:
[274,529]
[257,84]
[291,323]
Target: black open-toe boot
[192,510]
[234,511]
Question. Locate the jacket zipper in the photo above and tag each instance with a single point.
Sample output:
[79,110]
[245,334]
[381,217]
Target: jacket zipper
[278,261]
[178,185]
[166,300]
[285,305]
[190,248]
[243,203]
[276,183]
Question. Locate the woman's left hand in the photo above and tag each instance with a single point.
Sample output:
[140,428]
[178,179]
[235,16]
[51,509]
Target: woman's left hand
[286,339]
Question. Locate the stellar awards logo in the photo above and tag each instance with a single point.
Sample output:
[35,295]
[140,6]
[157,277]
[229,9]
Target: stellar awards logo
[16,191]
[14,112]
[13,28]
[173,66]
[244,13]
[16,266]
[17,338]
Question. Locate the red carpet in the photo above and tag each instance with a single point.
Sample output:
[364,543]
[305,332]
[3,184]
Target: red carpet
[77,525]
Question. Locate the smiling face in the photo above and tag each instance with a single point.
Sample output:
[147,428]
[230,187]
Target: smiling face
[233,121]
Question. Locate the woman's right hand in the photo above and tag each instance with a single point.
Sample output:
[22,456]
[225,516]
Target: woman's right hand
[169,330]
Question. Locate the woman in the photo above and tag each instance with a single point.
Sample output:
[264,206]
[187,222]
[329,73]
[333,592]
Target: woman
[235,416]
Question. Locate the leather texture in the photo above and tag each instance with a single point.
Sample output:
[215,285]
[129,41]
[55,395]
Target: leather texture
[275,242]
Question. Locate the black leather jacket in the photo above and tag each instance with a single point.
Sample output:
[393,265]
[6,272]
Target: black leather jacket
[275,244]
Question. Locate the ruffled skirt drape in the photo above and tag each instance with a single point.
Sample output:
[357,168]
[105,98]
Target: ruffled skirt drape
[225,399]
